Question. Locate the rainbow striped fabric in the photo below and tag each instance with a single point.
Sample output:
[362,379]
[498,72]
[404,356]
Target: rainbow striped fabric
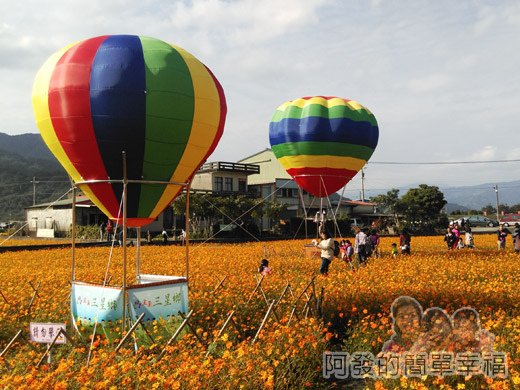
[99,97]
[322,141]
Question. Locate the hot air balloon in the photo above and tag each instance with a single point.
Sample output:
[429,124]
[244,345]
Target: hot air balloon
[102,96]
[323,142]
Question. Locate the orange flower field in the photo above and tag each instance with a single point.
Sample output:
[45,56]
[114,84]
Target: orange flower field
[355,308]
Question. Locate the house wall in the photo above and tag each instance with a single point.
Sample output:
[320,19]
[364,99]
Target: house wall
[206,180]
[59,220]
[270,168]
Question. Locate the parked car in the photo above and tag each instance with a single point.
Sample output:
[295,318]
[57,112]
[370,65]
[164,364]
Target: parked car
[478,220]
[510,219]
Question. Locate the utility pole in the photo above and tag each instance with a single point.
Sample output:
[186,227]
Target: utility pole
[34,182]
[496,193]
[362,184]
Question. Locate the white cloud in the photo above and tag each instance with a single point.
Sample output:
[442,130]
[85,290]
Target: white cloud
[429,83]
[513,154]
[488,152]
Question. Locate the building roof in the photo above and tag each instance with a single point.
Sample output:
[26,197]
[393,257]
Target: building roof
[255,154]
[81,201]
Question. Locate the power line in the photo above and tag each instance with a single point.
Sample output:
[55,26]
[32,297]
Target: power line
[441,162]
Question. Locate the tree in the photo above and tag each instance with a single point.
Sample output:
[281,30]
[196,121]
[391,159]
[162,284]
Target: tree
[489,210]
[422,207]
[207,210]
[390,202]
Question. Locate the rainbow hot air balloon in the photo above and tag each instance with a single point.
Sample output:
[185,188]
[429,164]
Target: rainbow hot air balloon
[323,142]
[106,95]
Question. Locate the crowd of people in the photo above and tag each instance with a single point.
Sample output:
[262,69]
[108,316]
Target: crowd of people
[460,236]
[367,244]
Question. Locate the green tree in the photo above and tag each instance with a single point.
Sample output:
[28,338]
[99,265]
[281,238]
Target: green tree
[489,210]
[208,210]
[422,207]
[390,203]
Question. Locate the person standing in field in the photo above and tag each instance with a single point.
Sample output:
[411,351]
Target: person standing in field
[405,241]
[110,231]
[516,238]
[360,246]
[375,240]
[456,232]
[394,251]
[450,238]
[469,237]
[501,237]
[327,251]
[264,268]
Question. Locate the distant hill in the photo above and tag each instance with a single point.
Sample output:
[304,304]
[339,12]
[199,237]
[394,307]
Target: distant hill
[23,157]
[26,145]
[481,195]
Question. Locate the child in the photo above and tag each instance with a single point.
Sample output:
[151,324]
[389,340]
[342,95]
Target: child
[469,238]
[264,268]
[349,252]
[460,244]
[394,250]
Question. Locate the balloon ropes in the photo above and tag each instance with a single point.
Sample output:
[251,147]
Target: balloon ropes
[131,119]
[323,142]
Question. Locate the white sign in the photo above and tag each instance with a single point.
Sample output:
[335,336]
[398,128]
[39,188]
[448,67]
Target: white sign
[45,332]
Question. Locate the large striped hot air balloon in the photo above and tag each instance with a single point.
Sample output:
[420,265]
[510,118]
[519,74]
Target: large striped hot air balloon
[323,142]
[99,97]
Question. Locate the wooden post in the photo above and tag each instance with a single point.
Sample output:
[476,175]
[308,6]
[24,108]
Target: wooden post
[34,289]
[130,331]
[3,296]
[60,332]
[304,209]
[194,331]
[221,284]
[228,320]
[319,307]
[264,321]
[283,293]
[34,296]
[256,288]
[175,335]
[138,256]
[293,311]
[10,343]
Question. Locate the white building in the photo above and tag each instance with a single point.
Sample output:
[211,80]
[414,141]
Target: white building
[274,183]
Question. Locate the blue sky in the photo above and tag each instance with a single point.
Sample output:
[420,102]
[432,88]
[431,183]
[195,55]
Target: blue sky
[442,78]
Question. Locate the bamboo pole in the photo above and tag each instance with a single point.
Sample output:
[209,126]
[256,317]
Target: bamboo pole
[187,233]
[125,191]
[73,233]
[264,320]
[131,331]
[138,256]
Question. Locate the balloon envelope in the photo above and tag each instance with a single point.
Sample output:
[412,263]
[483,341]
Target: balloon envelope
[99,97]
[323,142]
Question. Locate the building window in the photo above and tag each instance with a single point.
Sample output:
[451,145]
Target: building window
[228,184]
[219,184]
[289,193]
[242,185]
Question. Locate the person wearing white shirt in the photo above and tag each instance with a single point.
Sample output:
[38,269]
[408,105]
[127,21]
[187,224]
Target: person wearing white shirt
[360,246]
[327,251]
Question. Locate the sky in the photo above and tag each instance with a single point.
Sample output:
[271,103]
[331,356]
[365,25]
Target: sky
[441,77]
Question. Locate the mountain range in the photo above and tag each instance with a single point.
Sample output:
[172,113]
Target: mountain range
[24,157]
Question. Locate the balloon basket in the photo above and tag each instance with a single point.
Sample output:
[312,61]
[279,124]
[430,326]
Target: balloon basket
[157,296]
[311,251]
